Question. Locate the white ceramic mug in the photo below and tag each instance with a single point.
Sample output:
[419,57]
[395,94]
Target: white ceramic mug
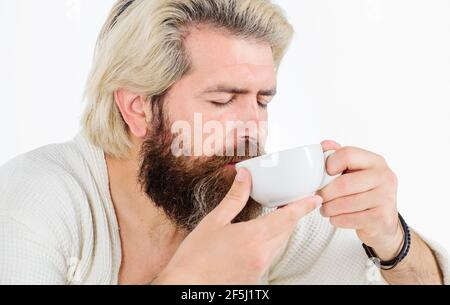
[289,175]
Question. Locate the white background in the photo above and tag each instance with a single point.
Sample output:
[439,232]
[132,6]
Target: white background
[368,73]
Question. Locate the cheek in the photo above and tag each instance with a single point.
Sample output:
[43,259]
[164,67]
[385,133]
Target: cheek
[180,110]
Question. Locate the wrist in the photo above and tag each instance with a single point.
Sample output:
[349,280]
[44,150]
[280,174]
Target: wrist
[392,246]
[402,253]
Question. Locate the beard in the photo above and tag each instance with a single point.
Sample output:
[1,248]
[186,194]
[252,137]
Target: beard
[188,188]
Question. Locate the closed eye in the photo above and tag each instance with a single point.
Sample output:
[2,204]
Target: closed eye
[264,101]
[263,104]
[222,103]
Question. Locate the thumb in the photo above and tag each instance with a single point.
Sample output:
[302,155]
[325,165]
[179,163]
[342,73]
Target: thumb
[235,200]
[330,145]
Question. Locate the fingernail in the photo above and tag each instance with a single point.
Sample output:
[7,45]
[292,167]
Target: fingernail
[318,200]
[241,175]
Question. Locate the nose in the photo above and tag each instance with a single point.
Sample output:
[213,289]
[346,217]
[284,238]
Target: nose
[252,116]
[250,111]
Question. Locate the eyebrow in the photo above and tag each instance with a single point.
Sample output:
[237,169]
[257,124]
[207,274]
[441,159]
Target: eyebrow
[234,90]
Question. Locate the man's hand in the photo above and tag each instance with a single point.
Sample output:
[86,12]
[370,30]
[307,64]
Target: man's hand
[218,252]
[363,198]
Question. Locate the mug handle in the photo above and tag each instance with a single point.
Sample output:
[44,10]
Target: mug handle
[327,178]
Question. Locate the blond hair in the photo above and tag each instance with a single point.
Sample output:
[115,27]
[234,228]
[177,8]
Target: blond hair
[140,48]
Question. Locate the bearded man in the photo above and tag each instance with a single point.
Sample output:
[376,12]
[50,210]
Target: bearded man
[121,204]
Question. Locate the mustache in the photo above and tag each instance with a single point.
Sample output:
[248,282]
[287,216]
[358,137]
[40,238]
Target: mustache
[215,162]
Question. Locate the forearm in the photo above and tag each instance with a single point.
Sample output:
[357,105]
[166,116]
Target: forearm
[419,266]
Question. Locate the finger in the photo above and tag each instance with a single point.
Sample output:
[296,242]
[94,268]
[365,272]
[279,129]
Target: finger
[368,219]
[356,221]
[351,204]
[285,219]
[350,184]
[352,158]
[235,200]
[330,145]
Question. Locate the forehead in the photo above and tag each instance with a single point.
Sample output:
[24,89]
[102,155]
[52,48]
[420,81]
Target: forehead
[216,55]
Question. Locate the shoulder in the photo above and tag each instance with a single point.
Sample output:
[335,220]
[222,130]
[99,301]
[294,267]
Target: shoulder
[41,190]
[55,211]
[47,173]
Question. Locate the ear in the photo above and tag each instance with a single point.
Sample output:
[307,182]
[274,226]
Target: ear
[133,109]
